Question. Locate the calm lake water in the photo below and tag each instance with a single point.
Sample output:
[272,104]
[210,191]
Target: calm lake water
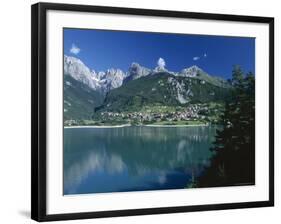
[99,160]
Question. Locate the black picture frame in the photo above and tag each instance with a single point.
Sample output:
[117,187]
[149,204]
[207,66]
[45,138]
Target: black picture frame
[39,123]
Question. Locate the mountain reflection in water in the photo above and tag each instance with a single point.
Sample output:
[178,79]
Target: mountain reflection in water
[99,160]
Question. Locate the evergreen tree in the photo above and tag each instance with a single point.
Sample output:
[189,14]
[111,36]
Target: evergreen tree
[234,161]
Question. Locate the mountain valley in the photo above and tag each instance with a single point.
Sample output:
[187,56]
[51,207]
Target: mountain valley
[141,95]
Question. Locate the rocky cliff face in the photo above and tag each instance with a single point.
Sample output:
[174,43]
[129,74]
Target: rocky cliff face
[104,81]
[99,81]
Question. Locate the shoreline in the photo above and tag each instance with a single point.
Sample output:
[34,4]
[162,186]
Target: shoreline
[99,126]
[175,125]
[145,125]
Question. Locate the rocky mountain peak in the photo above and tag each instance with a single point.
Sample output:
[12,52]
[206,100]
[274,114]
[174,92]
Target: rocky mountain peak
[136,71]
[80,72]
[100,81]
[192,71]
[104,81]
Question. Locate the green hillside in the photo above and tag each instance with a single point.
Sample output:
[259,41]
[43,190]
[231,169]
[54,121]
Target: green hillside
[162,89]
[216,81]
[79,100]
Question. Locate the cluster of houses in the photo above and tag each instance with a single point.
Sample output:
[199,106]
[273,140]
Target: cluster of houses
[70,122]
[192,112]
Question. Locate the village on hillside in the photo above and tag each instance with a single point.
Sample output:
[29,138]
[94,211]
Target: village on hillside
[158,115]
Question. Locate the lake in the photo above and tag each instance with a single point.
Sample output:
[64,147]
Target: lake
[135,158]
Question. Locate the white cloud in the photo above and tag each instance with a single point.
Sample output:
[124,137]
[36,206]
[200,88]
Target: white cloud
[161,63]
[74,49]
[196,58]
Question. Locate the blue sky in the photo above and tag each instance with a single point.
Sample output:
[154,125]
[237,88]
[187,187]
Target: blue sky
[100,50]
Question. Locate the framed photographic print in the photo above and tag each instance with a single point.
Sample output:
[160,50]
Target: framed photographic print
[138,111]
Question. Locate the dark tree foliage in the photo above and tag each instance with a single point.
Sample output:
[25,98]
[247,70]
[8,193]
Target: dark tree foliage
[234,146]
